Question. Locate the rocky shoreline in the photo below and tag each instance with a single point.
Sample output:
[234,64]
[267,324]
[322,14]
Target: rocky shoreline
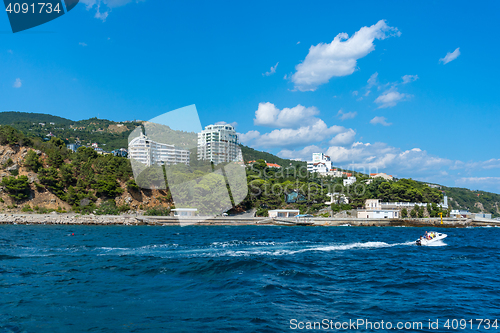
[131,220]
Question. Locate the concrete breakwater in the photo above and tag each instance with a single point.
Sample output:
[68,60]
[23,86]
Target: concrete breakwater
[75,219]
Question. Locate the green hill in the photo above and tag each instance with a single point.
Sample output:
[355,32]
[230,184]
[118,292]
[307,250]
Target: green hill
[250,154]
[12,117]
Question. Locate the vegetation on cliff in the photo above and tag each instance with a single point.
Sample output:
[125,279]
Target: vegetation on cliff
[83,178]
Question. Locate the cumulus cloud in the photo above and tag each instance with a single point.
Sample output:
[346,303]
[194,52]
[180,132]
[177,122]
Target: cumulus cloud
[346,115]
[271,71]
[249,136]
[450,56]
[338,58]
[343,139]
[304,154]
[380,120]
[376,157]
[18,83]
[269,115]
[390,98]
[409,78]
[286,137]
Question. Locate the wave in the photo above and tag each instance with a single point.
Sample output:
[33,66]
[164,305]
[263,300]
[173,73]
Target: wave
[233,248]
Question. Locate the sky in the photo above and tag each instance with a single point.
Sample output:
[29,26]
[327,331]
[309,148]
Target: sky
[406,88]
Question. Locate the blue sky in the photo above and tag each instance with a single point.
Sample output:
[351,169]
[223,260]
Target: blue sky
[407,88]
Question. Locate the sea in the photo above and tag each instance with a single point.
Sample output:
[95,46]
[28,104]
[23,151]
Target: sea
[247,279]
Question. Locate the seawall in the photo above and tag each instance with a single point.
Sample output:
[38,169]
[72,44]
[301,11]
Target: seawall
[75,219]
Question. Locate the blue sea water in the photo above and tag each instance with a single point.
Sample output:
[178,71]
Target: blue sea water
[242,279]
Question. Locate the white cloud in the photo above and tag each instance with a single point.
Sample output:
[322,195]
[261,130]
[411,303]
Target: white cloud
[82,44]
[381,156]
[304,154]
[409,78]
[372,81]
[298,42]
[268,114]
[355,93]
[450,56]
[271,71]
[107,5]
[390,98]
[304,135]
[101,16]
[346,115]
[249,136]
[339,58]
[380,120]
[234,123]
[10,51]
[343,139]
[18,83]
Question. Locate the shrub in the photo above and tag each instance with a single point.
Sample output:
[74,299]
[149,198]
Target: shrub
[157,211]
[8,163]
[108,207]
[17,188]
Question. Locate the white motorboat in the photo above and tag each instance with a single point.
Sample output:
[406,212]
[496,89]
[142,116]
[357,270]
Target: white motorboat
[430,238]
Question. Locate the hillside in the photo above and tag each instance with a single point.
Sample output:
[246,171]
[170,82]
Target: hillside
[474,201]
[250,154]
[12,117]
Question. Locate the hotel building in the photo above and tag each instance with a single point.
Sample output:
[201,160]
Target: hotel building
[149,152]
[219,144]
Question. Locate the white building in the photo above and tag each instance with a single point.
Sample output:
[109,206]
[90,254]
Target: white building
[184,212]
[219,144]
[320,163]
[349,181]
[283,213]
[459,213]
[377,204]
[374,210]
[337,198]
[150,152]
[378,214]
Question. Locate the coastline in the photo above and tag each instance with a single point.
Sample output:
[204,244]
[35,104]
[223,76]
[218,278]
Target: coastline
[131,220]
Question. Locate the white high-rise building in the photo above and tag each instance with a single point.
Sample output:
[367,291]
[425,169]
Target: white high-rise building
[150,152]
[219,144]
[320,163]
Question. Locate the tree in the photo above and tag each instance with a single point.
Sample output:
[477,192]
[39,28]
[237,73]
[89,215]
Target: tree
[413,213]
[54,158]
[17,188]
[32,161]
[404,213]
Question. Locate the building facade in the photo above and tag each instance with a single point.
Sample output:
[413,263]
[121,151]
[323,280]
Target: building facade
[219,144]
[349,181]
[149,152]
[320,163]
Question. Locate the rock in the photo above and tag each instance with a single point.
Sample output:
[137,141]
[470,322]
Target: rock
[13,167]
[38,152]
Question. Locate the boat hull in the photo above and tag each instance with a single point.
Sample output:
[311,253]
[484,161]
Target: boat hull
[428,242]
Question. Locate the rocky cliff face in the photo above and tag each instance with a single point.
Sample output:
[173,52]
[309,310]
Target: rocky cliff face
[137,200]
